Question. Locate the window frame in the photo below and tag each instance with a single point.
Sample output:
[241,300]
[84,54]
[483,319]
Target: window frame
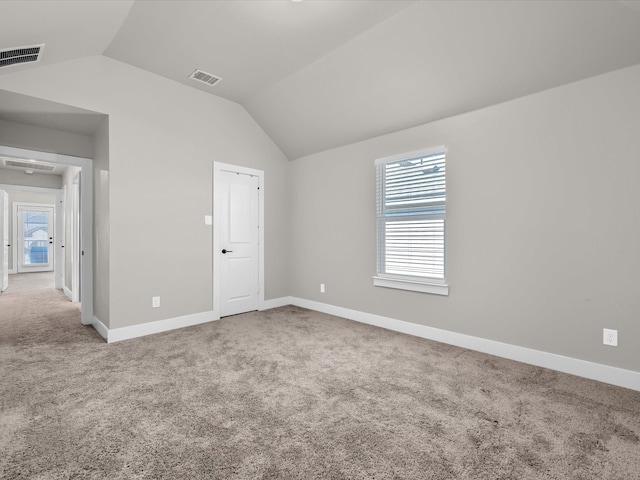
[424,284]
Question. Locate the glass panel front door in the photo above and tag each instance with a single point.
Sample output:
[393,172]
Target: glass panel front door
[35,241]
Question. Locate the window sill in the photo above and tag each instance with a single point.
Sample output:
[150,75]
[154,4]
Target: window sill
[415,286]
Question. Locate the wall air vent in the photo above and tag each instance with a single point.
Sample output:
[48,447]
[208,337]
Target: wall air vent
[44,167]
[16,56]
[205,77]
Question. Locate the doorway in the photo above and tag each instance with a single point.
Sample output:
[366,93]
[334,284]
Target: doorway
[33,224]
[85,246]
[238,239]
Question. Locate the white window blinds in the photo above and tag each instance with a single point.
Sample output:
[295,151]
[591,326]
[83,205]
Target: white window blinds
[411,201]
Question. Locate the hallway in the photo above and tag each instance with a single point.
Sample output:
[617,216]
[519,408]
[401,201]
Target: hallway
[23,283]
[33,310]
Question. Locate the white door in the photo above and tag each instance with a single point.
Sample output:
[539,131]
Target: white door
[35,238]
[4,240]
[238,229]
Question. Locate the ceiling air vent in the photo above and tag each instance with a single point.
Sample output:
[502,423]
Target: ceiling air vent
[29,165]
[205,77]
[16,56]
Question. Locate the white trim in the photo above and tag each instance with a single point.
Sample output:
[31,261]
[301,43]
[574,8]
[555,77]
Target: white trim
[415,286]
[76,241]
[217,168]
[100,328]
[5,241]
[149,328]
[19,245]
[581,368]
[425,152]
[68,294]
[59,239]
[86,201]
[135,331]
[25,188]
[276,303]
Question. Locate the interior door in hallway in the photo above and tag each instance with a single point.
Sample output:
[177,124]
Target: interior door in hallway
[35,238]
[4,240]
[238,257]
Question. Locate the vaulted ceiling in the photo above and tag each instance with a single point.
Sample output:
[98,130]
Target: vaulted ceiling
[318,74]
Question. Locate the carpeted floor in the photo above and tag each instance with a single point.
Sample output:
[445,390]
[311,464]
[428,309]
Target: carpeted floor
[27,283]
[291,394]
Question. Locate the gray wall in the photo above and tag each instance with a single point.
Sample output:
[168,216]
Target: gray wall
[16,177]
[163,138]
[20,135]
[542,222]
[542,225]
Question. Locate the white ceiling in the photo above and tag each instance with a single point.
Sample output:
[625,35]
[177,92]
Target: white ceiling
[323,73]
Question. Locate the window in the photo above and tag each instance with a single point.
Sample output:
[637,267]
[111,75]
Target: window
[411,207]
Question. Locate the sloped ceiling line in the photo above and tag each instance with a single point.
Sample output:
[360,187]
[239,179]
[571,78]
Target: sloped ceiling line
[323,73]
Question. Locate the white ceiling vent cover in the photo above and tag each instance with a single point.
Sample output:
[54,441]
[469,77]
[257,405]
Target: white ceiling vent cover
[205,77]
[29,165]
[17,56]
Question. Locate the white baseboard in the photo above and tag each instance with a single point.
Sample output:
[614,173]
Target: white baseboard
[100,328]
[149,328]
[68,293]
[134,331]
[276,302]
[582,368]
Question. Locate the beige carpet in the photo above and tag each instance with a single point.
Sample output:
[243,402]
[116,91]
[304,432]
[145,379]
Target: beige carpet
[291,394]
[25,283]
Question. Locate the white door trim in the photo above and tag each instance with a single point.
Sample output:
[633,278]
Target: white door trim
[76,241]
[18,248]
[217,168]
[4,240]
[24,188]
[86,202]
[59,239]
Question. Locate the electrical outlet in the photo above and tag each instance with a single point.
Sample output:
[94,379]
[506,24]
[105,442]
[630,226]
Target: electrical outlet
[322,288]
[155,302]
[610,337]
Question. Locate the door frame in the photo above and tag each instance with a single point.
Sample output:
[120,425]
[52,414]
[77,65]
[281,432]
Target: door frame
[219,167]
[86,216]
[4,239]
[20,245]
[59,239]
[24,188]
[75,238]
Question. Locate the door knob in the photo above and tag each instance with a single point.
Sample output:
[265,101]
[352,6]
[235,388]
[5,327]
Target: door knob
[224,250]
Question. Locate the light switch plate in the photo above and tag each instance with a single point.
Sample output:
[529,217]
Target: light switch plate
[208,220]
